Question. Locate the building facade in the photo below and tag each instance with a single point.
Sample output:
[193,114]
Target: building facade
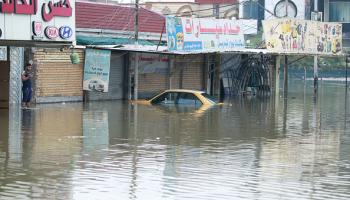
[23,28]
[337,11]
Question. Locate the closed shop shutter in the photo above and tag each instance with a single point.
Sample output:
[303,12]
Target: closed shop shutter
[116,80]
[188,72]
[151,84]
[57,79]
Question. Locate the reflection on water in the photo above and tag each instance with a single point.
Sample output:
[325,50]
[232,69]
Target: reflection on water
[257,148]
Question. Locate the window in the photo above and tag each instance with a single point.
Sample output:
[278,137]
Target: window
[210,98]
[166,98]
[188,99]
[339,11]
[250,10]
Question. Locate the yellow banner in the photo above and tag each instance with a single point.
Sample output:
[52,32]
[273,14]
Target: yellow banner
[302,36]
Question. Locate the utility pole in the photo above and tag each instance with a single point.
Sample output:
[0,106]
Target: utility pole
[347,60]
[286,2]
[316,57]
[285,74]
[136,70]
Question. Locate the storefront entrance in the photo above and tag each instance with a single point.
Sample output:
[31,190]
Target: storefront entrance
[4,84]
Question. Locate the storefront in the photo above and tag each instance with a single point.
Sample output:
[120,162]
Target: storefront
[158,72]
[24,27]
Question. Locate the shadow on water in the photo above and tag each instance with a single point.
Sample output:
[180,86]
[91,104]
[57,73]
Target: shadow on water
[249,148]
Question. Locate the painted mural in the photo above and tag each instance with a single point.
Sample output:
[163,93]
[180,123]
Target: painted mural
[302,36]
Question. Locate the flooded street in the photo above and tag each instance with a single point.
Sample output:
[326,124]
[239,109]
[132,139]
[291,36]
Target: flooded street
[250,148]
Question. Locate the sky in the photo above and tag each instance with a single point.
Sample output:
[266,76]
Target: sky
[142,1]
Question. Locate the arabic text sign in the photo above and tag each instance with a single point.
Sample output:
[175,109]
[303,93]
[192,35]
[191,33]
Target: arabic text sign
[96,70]
[152,63]
[199,34]
[302,36]
[28,19]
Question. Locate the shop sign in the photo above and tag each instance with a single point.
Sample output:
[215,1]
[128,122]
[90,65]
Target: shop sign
[204,35]
[37,28]
[44,15]
[51,32]
[66,32]
[152,63]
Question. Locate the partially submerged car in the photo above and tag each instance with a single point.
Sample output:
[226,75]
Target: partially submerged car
[181,97]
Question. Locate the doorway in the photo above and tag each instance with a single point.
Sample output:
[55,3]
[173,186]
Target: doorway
[4,84]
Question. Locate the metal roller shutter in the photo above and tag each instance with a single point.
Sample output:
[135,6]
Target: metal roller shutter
[188,73]
[57,79]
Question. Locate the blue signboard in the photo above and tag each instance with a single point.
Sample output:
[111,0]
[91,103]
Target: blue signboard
[96,70]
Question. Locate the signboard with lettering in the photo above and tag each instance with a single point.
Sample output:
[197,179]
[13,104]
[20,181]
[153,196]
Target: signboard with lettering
[205,35]
[96,70]
[303,36]
[44,20]
[152,63]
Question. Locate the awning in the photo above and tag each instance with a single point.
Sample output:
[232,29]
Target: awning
[90,40]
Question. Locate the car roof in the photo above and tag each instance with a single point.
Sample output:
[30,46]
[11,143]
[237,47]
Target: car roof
[184,90]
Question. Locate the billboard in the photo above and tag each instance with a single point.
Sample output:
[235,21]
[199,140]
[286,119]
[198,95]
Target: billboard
[302,36]
[96,70]
[205,35]
[37,20]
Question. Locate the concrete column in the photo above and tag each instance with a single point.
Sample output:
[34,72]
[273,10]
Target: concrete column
[285,77]
[326,11]
[170,69]
[277,76]
[315,73]
[16,68]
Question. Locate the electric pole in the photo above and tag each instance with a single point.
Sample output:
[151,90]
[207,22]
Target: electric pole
[136,70]
[286,2]
[285,74]
[315,57]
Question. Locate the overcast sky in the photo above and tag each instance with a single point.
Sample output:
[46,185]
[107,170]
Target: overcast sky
[142,1]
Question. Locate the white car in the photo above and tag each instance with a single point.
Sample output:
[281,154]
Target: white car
[96,85]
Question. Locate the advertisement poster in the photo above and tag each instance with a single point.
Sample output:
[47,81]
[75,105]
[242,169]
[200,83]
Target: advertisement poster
[204,35]
[96,70]
[302,36]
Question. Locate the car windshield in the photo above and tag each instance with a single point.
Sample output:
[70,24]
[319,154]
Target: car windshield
[210,98]
[177,98]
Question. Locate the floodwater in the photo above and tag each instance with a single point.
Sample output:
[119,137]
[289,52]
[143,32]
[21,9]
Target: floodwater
[296,147]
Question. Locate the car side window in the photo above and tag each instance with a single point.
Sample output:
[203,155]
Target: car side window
[166,98]
[188,99]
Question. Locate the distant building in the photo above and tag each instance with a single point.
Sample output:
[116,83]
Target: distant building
[272,9]
[199,8]
[337,11]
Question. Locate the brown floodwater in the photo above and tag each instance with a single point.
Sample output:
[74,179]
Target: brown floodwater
[290,148]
